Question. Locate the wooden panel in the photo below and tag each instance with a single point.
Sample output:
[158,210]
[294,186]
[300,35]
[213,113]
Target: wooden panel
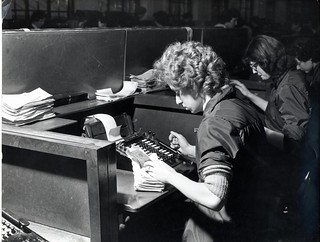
[52,124]
[159,113]
[144,46]
[53,189]
[63,61]
[62,181]
[230,44]
[161,122]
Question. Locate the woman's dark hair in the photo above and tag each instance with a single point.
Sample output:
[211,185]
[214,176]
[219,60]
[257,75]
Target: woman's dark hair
[269,53]
[307,50]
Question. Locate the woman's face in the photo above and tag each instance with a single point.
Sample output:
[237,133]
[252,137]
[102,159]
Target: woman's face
[256,69]
[194,105]
[305,66]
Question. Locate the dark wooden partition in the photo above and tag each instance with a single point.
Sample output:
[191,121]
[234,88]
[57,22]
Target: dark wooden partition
[159,113]
[230,44]
[145,45]
[61,181]
[63,61]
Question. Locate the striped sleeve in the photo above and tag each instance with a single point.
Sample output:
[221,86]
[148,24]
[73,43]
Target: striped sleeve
[218,185]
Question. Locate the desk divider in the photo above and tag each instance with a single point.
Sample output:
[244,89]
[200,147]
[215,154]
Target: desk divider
[62,181]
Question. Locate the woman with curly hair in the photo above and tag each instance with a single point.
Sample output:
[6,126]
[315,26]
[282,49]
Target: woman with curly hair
[230,140]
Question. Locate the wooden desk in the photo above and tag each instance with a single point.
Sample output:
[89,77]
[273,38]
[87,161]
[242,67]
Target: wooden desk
[133,201]
[62,181]
[51,124]
[128,199]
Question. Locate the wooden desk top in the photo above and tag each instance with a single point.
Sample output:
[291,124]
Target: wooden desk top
[132,200]
[129,199]
[50,124]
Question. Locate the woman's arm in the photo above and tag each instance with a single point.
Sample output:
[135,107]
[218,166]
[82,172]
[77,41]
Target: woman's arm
[258,101]
[196,191]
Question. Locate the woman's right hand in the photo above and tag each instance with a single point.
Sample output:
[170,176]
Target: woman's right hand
[180,143]
[241,87]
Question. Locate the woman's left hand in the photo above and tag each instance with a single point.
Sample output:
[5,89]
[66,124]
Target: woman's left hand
[159,170]
[241,87]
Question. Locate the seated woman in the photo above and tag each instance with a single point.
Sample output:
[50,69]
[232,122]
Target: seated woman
[230,197]
[307,56]
[286,112]
[288,109]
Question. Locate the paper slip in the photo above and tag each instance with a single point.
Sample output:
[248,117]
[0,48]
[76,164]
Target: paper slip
[129,87]
[104,92]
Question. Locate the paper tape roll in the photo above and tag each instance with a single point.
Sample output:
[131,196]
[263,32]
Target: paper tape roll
[110,125]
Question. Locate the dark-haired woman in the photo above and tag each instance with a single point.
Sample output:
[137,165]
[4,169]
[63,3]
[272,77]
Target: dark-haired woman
[287,111]
[307,56]
[288,108]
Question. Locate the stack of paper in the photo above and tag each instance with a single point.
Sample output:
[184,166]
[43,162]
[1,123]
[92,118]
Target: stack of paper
[147,79]
[106,94]
[20,109]
[143,181]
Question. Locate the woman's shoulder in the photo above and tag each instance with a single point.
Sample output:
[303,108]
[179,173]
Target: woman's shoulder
[293,81]
[295,78]
[296,74]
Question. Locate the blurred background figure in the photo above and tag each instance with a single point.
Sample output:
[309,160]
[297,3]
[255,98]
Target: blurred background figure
[38,19]
[228,19]
[307,56]
[162,19]
[142,18]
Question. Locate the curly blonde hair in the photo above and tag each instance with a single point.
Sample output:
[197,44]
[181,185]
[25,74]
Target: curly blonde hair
[192,67]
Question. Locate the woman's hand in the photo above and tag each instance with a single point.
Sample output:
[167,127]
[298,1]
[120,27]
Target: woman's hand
[180,143]
[241,87]
[260,102]
[158,169]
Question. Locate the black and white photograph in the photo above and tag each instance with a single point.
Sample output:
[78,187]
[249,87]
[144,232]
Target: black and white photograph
[160,120]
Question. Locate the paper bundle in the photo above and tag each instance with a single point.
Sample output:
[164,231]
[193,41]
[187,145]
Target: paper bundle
[147,79]
[142,180]
[20,109]
[106,94]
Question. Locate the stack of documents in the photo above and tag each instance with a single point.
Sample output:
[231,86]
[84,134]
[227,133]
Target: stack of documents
[106,94]
[20,109]
[147,79]
[143,181]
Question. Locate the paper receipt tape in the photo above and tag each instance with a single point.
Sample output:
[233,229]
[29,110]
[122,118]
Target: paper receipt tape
[110,126]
